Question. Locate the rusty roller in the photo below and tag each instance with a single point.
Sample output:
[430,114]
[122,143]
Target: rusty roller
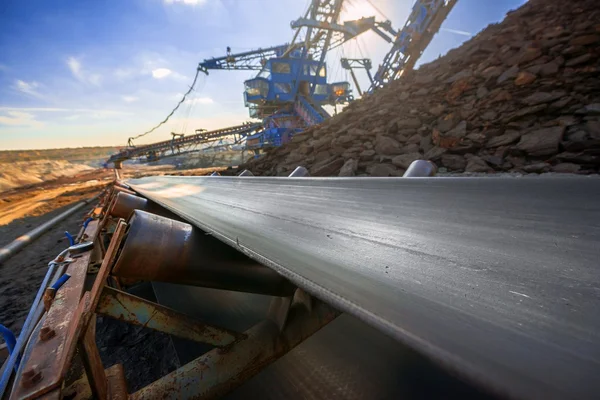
[119,189]
[124,204]
[165,250]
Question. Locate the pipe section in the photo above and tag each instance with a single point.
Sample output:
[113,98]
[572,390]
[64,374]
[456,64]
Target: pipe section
[19,243]
[420,169]
[165,250]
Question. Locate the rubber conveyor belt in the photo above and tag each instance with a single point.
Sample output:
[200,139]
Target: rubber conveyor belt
[497,279]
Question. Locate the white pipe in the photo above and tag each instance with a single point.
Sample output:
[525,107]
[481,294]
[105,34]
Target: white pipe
[19,243]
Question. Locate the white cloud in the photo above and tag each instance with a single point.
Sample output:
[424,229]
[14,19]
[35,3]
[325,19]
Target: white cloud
[20,119]
[160,73]
[186,2]
[130,99]
[456,31]
[76,69]
[27,88]
[200,100]
[123,73]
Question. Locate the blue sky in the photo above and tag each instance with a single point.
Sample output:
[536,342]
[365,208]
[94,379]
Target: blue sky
[87,73]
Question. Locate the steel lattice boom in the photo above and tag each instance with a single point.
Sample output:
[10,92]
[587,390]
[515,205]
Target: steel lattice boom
[182,144]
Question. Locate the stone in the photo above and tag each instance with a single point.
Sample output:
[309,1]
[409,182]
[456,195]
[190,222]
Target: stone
[322,156]
[572,50]
[422,92]
[489,115]
[584,40]
[454,162]
[410,122]
[301,137]
[528,55]
[501,96]
[578,136]
[541,142]
[568,168]
[590,109]
[424,79]
[404,160]
[295,157]
[459,131]
[434,153]
[579,60]
[550,68]
[414,139]
[508,74]
[516,161]
[367,155]
[543,97]
[357,132]
[349,168]
[507,138]
[437,110]
[492,72]
[321,143]
[464,148]
[386,145]
[476,164]
[328,169]
[482,92]
[383,170]
[593,129]
[524,78]
[344,140]
[525,111]
[495,161]
[536,168]
[425,143]
[447,123]
[409,148]
[465,73]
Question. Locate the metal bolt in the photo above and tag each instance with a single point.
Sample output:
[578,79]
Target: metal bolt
[47,333]
[31,377]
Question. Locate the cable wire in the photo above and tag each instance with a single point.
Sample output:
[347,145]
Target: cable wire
[172,112]
[377,9]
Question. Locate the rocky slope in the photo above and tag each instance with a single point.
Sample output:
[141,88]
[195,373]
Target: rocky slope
[523,95]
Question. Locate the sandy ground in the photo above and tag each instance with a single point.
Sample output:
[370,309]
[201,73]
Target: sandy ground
[19,173]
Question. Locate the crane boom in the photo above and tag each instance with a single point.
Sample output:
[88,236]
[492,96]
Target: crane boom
[422,24]
[248,60]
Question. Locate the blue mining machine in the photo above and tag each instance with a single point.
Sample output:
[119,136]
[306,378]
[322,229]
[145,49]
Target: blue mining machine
[291,88]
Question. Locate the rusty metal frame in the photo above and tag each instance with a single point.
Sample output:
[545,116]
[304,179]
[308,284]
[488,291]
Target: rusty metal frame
[218,372]
[137,311]
[71,321]
[50,355]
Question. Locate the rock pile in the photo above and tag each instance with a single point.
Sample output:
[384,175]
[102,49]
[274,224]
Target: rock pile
[523,95]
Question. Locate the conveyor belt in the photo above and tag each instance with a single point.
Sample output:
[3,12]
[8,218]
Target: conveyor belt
[496,279]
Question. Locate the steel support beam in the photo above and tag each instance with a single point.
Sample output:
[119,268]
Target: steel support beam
[137,311]
[218,372]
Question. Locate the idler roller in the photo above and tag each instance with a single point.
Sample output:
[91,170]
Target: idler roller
[124,204]
[165,250]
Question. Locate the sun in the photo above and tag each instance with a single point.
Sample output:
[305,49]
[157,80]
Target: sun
[356,9]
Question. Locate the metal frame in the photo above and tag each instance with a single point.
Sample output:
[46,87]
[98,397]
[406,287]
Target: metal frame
[182,145]
[70,325]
